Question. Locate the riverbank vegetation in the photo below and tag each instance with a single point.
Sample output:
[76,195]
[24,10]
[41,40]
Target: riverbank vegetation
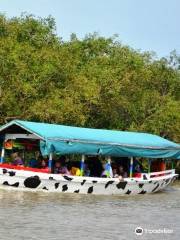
[93,82]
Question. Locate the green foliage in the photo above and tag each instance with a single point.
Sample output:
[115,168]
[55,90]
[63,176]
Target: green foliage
[94,82]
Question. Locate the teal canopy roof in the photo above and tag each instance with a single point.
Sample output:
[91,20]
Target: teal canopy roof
[68,140]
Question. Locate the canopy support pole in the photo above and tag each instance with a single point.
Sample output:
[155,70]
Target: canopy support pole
[2,154]
[172,164]
[149,165]
[82,165]
[131,167]
[50,162]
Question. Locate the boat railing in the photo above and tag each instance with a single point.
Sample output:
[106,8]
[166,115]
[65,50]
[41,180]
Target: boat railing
[161,173]
[147,176]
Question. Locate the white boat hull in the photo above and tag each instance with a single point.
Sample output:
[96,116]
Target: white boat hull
[35,181]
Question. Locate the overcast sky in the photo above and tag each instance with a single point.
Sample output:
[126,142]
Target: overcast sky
[151,25]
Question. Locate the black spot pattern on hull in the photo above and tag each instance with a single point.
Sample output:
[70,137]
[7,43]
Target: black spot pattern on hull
[144,177]
[4,171]
[12,185]
[128,192]
[6,183]
[56,185]
[11,173]
[142,192]
[150,181]
[68,178]
[94,181]
[167,181]
[90,189]
[83,182]
[76,191]
[121,185]
[141,185]
[108,183]
[51,178]
[155,188]
[15,184]
[64,188]
[32,182]
[45,188]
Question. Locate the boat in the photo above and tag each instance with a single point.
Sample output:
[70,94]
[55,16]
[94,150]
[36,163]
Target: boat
[54,139]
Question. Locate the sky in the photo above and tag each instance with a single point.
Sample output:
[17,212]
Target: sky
[146,25]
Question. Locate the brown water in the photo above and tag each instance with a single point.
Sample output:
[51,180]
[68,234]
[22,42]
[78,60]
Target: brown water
[46,216]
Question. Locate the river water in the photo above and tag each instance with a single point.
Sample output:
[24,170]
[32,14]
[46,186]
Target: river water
[50,216]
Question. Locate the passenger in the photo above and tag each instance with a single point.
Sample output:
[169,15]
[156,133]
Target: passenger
[87,171]
[58,168]
[162,165]
[107,172]
[115,173]
[33,163]
[75,171]
[121,172]
[137,168]
[95,166]
[43,164]
[17,160]
[154,166]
